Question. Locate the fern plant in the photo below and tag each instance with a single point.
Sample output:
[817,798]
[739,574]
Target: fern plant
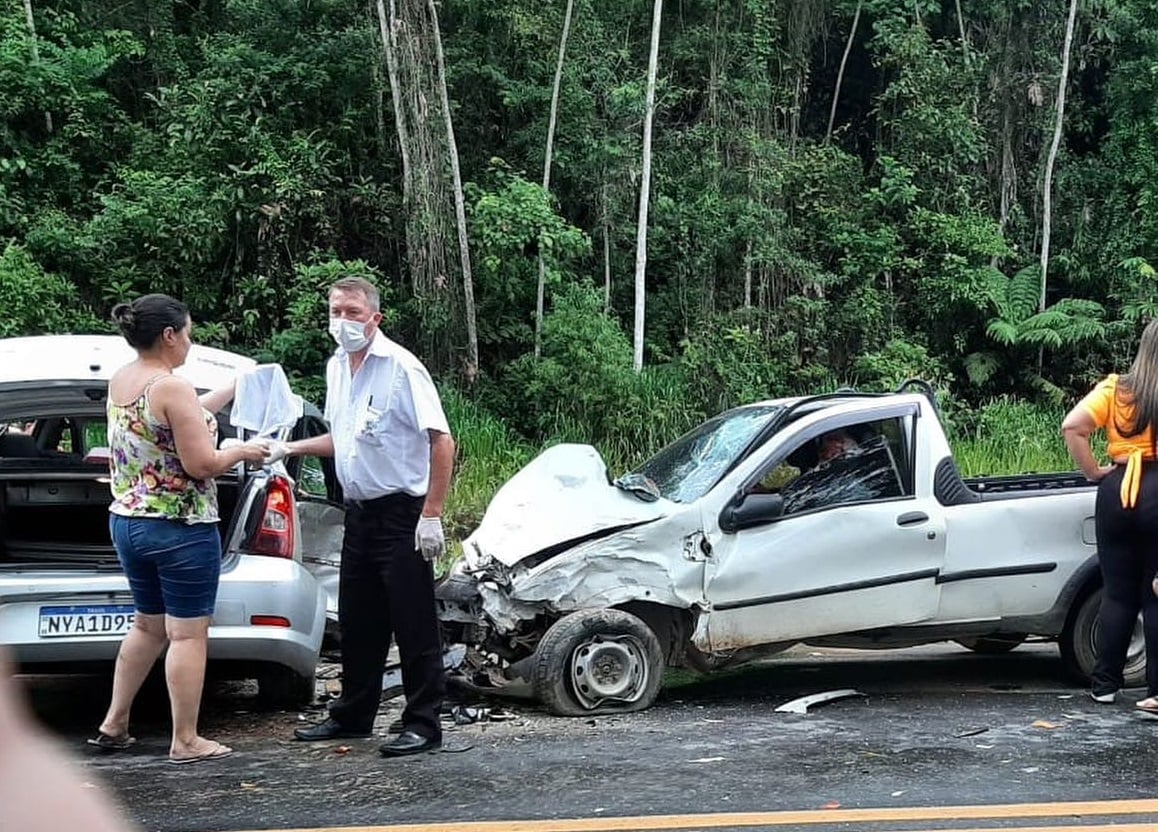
[1019,323]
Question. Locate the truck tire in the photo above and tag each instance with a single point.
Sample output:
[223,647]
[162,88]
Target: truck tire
[283,688]
[1078,644]
[992,645]
[600,661]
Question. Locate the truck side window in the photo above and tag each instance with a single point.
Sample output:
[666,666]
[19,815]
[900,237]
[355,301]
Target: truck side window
[852,464]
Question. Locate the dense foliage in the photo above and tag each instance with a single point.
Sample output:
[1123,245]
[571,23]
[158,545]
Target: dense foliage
[831,205]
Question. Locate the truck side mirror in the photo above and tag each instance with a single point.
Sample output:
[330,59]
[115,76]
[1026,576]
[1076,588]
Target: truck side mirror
[745,511]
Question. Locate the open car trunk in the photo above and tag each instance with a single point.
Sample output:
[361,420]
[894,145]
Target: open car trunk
[50,514]
[54,476]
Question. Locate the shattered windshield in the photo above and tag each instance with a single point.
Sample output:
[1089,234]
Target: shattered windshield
[687,468]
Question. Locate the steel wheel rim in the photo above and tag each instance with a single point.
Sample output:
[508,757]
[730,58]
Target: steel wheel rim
[1135,651]
[609,669]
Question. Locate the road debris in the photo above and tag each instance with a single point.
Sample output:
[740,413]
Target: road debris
[707,760]
[470,714]
[971,732]
[802,704]
[1045,725]
[456,748]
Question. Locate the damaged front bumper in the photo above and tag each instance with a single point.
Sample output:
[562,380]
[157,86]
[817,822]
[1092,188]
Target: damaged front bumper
[500,634]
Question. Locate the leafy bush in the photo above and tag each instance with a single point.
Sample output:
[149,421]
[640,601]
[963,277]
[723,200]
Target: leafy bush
[584,389]
[734,360]
[36,302]
[898,360]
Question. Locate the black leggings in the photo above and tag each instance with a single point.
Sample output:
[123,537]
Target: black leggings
[1128,557]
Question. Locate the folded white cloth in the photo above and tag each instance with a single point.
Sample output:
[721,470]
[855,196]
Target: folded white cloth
[264,402]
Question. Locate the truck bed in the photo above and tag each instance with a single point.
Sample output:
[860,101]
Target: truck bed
[952,489]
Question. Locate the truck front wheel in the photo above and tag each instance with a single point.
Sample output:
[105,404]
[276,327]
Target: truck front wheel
[1078,644]
[600,661]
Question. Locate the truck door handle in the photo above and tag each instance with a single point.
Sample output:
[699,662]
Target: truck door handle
[912,518]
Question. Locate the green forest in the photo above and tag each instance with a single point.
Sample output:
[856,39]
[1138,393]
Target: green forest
[711,202]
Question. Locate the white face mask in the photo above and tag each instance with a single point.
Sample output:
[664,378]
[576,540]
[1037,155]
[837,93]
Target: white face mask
[350,335]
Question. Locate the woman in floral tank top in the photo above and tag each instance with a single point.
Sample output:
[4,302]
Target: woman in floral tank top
[163,519]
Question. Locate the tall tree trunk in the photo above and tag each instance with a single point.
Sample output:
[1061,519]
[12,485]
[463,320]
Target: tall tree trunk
[964,37]
[605,220]
[31,21]
[379,89]
[551,121]
[1046,196]
[390,49]
[645,188]
[431,183]
[711,278]
[459,203]
[840,72]
[748,274]
[1007,186]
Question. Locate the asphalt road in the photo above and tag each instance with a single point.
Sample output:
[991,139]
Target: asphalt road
[936,727]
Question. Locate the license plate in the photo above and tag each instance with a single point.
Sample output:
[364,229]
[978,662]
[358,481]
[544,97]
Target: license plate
[80,621]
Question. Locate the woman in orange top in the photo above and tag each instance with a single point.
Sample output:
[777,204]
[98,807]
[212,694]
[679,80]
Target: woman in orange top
[1126,512]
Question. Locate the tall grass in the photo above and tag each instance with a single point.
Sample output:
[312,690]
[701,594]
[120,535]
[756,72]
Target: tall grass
[489,453]
[1007,436]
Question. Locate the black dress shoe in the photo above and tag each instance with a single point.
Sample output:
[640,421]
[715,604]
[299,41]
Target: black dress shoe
[328,730]
[396,727]
[407,743]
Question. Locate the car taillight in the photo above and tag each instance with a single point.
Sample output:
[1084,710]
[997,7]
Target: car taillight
[276,535]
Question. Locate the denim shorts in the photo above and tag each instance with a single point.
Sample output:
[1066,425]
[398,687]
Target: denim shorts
[173,568]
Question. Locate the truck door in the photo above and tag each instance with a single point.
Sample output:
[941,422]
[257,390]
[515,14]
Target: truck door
[853,545]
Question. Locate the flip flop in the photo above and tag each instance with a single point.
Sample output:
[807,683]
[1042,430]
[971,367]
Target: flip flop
[1149,705]
[108,742]
[217,753]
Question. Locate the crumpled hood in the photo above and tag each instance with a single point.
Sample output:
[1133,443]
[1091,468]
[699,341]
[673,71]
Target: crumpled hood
[562,494]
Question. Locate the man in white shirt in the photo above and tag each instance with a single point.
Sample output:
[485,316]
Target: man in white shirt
[393,454]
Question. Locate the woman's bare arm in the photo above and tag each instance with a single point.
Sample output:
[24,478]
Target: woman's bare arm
[174,402]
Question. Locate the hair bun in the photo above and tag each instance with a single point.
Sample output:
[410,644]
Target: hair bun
[123,316]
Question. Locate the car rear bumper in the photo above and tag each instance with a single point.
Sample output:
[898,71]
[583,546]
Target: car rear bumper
[279,592]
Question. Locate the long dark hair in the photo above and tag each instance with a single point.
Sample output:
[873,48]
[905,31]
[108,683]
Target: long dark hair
[1140,389]
[143,320]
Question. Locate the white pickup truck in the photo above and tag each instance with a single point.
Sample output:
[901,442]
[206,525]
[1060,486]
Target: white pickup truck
[737,541]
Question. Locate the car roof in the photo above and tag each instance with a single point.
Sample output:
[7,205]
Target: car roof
[55,358]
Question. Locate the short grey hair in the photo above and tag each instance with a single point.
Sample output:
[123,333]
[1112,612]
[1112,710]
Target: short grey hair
[359,284]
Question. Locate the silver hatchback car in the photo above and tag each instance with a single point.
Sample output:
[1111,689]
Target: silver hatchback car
[64,602]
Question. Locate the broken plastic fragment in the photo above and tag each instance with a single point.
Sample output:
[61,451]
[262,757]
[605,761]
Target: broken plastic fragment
[971,732]
[801,705]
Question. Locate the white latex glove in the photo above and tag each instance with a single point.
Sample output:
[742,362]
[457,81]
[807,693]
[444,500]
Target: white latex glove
[429,539]
[276,452]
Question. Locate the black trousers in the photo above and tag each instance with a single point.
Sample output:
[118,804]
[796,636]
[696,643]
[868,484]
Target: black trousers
[386,590]
[1128,557]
